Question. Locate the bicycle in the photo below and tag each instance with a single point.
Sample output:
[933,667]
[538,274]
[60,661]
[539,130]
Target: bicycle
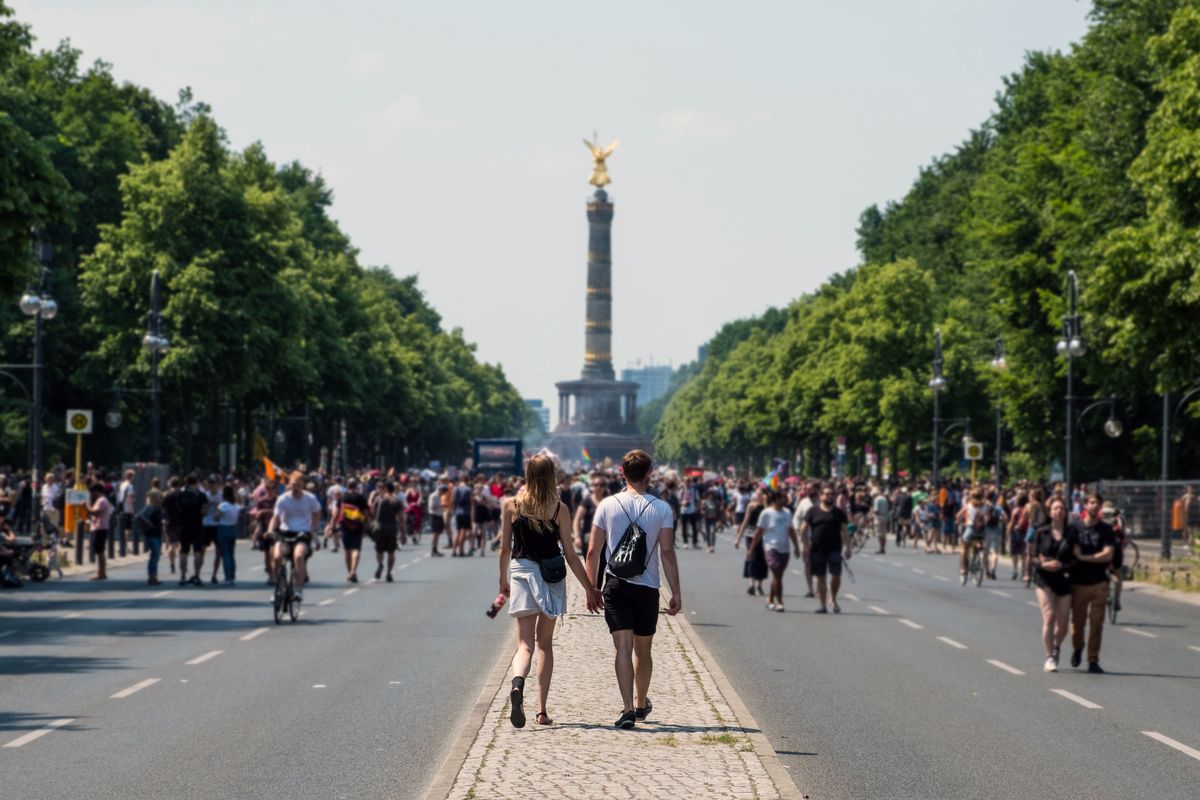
[975,565]
[285,600]
[858,536]
[1114,586]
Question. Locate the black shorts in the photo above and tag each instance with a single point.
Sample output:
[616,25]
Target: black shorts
[99,541]
[210,535]
[462,522]
[495,514]
[823,562]
[482,515]
[352,540]
[386,541]
[192,539]
[628,606]
[436,523]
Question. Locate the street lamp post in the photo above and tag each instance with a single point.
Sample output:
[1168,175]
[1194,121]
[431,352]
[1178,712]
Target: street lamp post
[40,306]
[156,345]
[1070,347]
[999,362]
[937,384]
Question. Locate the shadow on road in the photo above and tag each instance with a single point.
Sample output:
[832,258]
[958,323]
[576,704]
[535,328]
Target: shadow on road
[15,721]
[57,665]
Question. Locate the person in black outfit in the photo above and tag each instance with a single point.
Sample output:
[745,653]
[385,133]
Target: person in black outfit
[755,566]
[190,508]
[828,529]
[1052,558]
[1093,544]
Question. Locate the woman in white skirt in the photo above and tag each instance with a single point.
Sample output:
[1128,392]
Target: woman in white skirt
[535,533]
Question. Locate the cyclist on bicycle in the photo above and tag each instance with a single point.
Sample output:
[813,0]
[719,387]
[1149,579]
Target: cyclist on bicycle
[1110,514]
[297,516]
[974,519]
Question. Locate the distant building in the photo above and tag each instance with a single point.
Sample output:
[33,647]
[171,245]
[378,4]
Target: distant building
[654,380]
[543,412]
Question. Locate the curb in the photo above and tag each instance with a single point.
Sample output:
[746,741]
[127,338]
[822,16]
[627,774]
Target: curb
[469,730]
[1163,593]
[762,748]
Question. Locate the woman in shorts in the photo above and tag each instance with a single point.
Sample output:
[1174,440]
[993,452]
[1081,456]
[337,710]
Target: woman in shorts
[772,532]
[535,527]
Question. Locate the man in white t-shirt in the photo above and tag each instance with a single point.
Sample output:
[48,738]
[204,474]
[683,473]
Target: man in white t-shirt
[296,519]
[881,515]
[631,603]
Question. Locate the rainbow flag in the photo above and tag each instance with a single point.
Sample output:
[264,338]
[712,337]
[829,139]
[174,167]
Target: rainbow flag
[587,457]
[772,480]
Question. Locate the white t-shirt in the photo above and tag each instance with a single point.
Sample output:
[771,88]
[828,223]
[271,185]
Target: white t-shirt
[882,506]
[615,513]
[296,513]
[210,515]
[227,514]
[802,508]
[125,496]
[774,525]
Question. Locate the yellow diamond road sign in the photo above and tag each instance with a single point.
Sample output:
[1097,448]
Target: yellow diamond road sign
[79,421]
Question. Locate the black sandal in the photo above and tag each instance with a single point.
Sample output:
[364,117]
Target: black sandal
[516,698]
[543,715]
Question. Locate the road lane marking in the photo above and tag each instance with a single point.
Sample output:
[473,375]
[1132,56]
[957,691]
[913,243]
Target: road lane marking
[350,591]
[1190,647]
[911,624]
[254,634]
[21,741]
[1074,698]
[325,602]
[1032,603]
[318,686]
[6,634]
[918,570]
[1155,735]
[257,568]
[941,578]
[896,563]
[404,566]
[878,610]
[373,580]
[853,597]
[999,593]
[1005,667]
[1141,633]
[952,643]
[163,594]
[137,687]
[73,615]
[205,657]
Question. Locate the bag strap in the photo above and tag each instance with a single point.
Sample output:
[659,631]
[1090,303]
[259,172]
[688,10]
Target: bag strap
[632,522]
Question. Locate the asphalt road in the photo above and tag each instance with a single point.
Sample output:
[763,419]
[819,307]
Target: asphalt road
[914,692]
[188,692]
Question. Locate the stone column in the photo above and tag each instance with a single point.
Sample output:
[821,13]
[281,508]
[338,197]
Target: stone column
[597,359]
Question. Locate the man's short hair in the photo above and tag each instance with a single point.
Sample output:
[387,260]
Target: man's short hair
[636,465]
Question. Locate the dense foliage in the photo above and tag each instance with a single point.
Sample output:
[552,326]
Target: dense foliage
[1091,163]
[276,328]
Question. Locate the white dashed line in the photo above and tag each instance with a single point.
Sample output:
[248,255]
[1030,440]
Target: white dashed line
[853,597]
[253,634]
[911,624]
[1193,647]
[1147,634]
[40,732]
[895,563]
[73,615]
[404,566]
[1032,603]
[349,592]
[318,686]
[879,610]
[325,602]
[1005,667]
[205,657]
[163,594]
[918,570]
[137,687]
[6,634]
[941,578]
[952,643]
[1155,735]
[999,593]
[256,568]
[1074,698]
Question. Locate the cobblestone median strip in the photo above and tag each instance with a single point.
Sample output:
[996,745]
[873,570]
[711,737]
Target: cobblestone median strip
[693,745]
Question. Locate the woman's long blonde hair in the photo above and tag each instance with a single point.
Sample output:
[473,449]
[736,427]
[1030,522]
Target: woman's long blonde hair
[539,497]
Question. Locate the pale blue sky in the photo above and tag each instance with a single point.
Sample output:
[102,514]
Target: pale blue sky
[752,136]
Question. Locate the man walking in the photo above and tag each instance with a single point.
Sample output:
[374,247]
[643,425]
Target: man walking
[1094,543]
[827,527]
[631,602]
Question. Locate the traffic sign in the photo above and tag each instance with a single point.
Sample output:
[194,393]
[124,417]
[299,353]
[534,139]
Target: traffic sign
[973,450]
[79,420]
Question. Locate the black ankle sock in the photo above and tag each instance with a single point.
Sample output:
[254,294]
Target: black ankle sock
[518,683]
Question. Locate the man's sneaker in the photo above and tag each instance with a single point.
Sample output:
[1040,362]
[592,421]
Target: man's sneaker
[298,597]
[641,713]
[809,594]
[390,579]
[1076,657]
[1094,668]
[626,721]
[1050,666]
[196,581]
[770,606]
[379,572]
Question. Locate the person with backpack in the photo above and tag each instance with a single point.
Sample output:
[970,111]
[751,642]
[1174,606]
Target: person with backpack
[994,521]
[535,553]
[973,518]
[634,531]
[352,521]
[148,526]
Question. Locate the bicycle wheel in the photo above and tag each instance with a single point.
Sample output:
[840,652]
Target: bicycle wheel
[280,595]
[1112,606]
[977,567]
[293,601]
[1136,554]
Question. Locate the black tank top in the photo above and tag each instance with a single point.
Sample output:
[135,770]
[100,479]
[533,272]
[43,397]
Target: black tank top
[536,539]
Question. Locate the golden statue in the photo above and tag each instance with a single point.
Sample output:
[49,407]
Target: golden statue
[599,177]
